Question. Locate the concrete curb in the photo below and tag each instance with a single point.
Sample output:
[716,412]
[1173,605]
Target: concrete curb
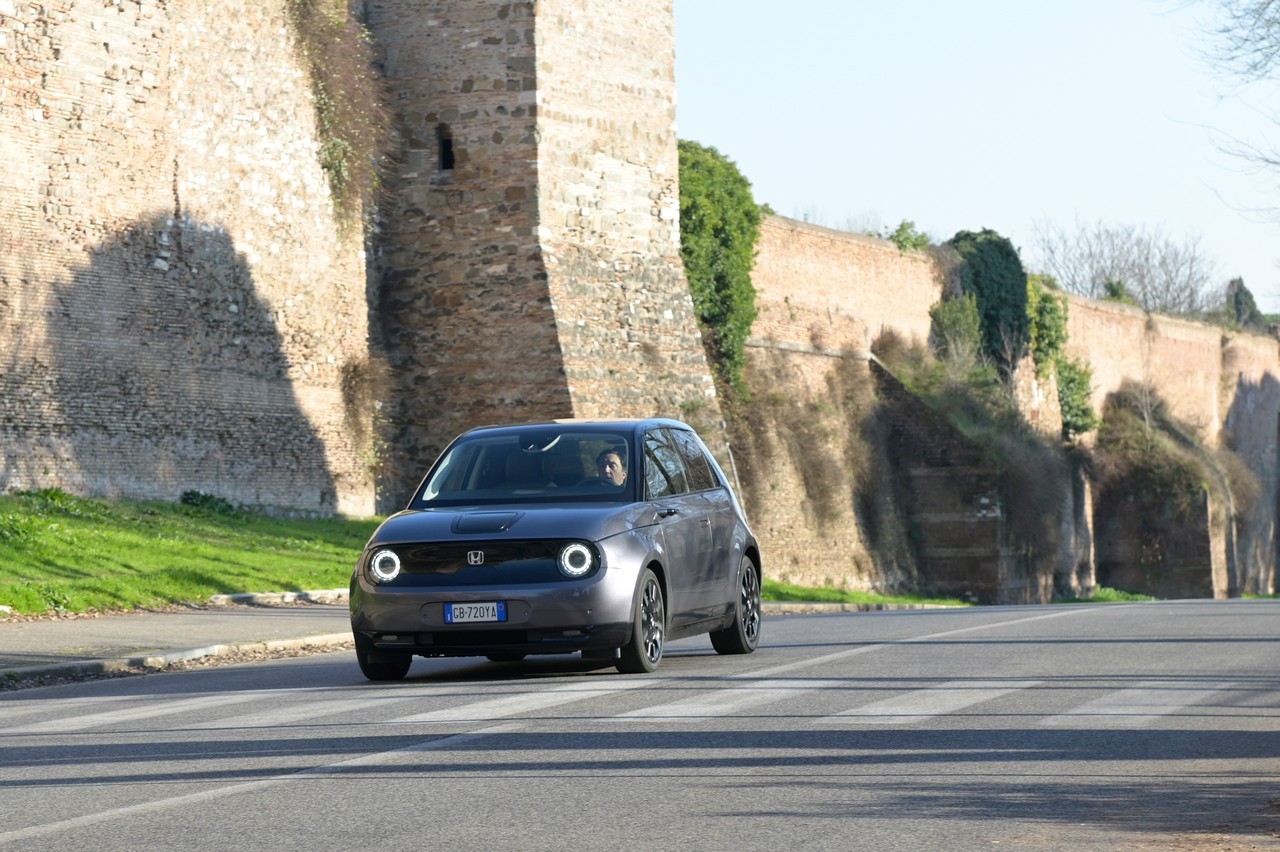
[161,660]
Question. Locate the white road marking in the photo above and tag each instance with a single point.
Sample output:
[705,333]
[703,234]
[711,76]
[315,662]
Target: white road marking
[148,710]
[722,702]
[1138,706]
[514,705]
[921,704]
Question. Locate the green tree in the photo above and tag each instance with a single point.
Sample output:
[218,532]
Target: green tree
[719,227]
[1047,312]
[991,270]
[906,237]
[1114,290]
[1241,309]
[1075,392]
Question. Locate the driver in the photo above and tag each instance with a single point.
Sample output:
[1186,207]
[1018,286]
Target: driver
[611,467]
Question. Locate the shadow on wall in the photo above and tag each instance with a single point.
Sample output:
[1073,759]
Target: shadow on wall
[162,371]
[1252,430]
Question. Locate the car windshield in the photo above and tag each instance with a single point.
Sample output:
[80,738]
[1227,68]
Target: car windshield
[531,465]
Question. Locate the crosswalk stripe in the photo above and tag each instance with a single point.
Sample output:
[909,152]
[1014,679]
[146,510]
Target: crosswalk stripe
[722,702]
[514,705]
[921,704]
[1139,705]
[131,714]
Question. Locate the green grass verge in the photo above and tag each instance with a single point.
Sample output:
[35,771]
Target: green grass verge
[72,554]
[1102,594]
[59,552]
[774,591]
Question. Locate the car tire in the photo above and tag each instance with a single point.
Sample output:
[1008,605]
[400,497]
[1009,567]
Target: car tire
[648,628]
[510,657]
[381,665]
[743,635]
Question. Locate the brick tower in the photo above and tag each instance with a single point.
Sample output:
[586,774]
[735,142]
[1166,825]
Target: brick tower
[529,263]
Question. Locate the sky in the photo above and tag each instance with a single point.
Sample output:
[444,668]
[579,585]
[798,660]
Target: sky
[1004,114]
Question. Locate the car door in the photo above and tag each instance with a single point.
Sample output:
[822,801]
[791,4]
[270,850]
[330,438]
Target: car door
[685,527]
[719,587]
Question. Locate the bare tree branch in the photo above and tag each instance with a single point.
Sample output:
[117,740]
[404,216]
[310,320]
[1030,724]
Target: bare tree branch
[1163,275]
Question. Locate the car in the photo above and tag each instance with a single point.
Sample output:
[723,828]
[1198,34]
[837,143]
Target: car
[607,538]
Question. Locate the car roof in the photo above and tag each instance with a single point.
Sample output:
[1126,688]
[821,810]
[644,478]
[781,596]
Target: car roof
[576,424]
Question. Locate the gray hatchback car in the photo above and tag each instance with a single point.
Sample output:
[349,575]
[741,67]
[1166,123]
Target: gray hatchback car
[607,538]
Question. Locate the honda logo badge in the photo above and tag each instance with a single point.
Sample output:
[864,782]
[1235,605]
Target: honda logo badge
[475,557]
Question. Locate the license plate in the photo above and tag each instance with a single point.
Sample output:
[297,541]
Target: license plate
[463,613]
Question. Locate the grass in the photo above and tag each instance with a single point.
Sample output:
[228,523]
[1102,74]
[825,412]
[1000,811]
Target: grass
[71,554]
[775,591]
[1103,594]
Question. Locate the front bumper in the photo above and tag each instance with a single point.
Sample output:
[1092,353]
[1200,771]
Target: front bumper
[559,618]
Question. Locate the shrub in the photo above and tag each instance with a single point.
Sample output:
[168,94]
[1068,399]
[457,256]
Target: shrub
[1047,315]
[1075,397]
[906,237]
[991,270]
[956,330]
[208,502]
[719,227]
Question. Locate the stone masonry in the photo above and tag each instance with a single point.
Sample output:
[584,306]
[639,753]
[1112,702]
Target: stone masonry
[177,306]
[530,258]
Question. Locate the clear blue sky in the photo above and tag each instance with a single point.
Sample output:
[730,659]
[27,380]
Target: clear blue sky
[989,114]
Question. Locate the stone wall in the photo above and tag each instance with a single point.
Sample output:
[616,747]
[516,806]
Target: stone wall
[177,306]
[609,207]
[831,289]
[823,295]
[538,275]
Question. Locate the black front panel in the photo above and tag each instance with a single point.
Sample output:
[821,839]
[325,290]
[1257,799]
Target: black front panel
[481,563]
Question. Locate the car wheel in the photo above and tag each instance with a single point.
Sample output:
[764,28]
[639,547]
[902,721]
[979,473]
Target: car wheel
[381,665]
[510,657]
[649,628]
[743,635]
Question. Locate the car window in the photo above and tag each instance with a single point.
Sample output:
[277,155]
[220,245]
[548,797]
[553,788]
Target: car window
[696,465]
[664,471]
[516,465]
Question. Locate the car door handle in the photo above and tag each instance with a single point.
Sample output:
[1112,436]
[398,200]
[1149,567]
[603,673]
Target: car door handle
[666,513]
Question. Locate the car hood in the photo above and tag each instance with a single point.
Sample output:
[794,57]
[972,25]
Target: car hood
[565,520]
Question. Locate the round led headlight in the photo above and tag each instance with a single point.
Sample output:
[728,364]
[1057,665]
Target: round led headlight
[384,566]
[576,559]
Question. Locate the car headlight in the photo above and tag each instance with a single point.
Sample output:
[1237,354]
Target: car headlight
[384,566]
[576,559]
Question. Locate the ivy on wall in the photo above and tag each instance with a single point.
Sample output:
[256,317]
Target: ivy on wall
[352,119]
[991,270]
[719,227]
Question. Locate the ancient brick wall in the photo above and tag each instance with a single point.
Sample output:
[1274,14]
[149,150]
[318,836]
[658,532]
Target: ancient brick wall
[177,306]
[822,293]
[831,289]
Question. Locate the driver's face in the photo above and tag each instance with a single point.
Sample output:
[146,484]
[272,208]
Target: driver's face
[610,468]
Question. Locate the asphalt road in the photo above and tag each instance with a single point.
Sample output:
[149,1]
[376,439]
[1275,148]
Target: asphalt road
[1144,726]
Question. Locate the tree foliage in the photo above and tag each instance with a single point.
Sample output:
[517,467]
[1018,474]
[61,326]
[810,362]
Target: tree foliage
[1047,312]
[906,237]
[1075,397]
[1240,308]
[991,271]
[719,227]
